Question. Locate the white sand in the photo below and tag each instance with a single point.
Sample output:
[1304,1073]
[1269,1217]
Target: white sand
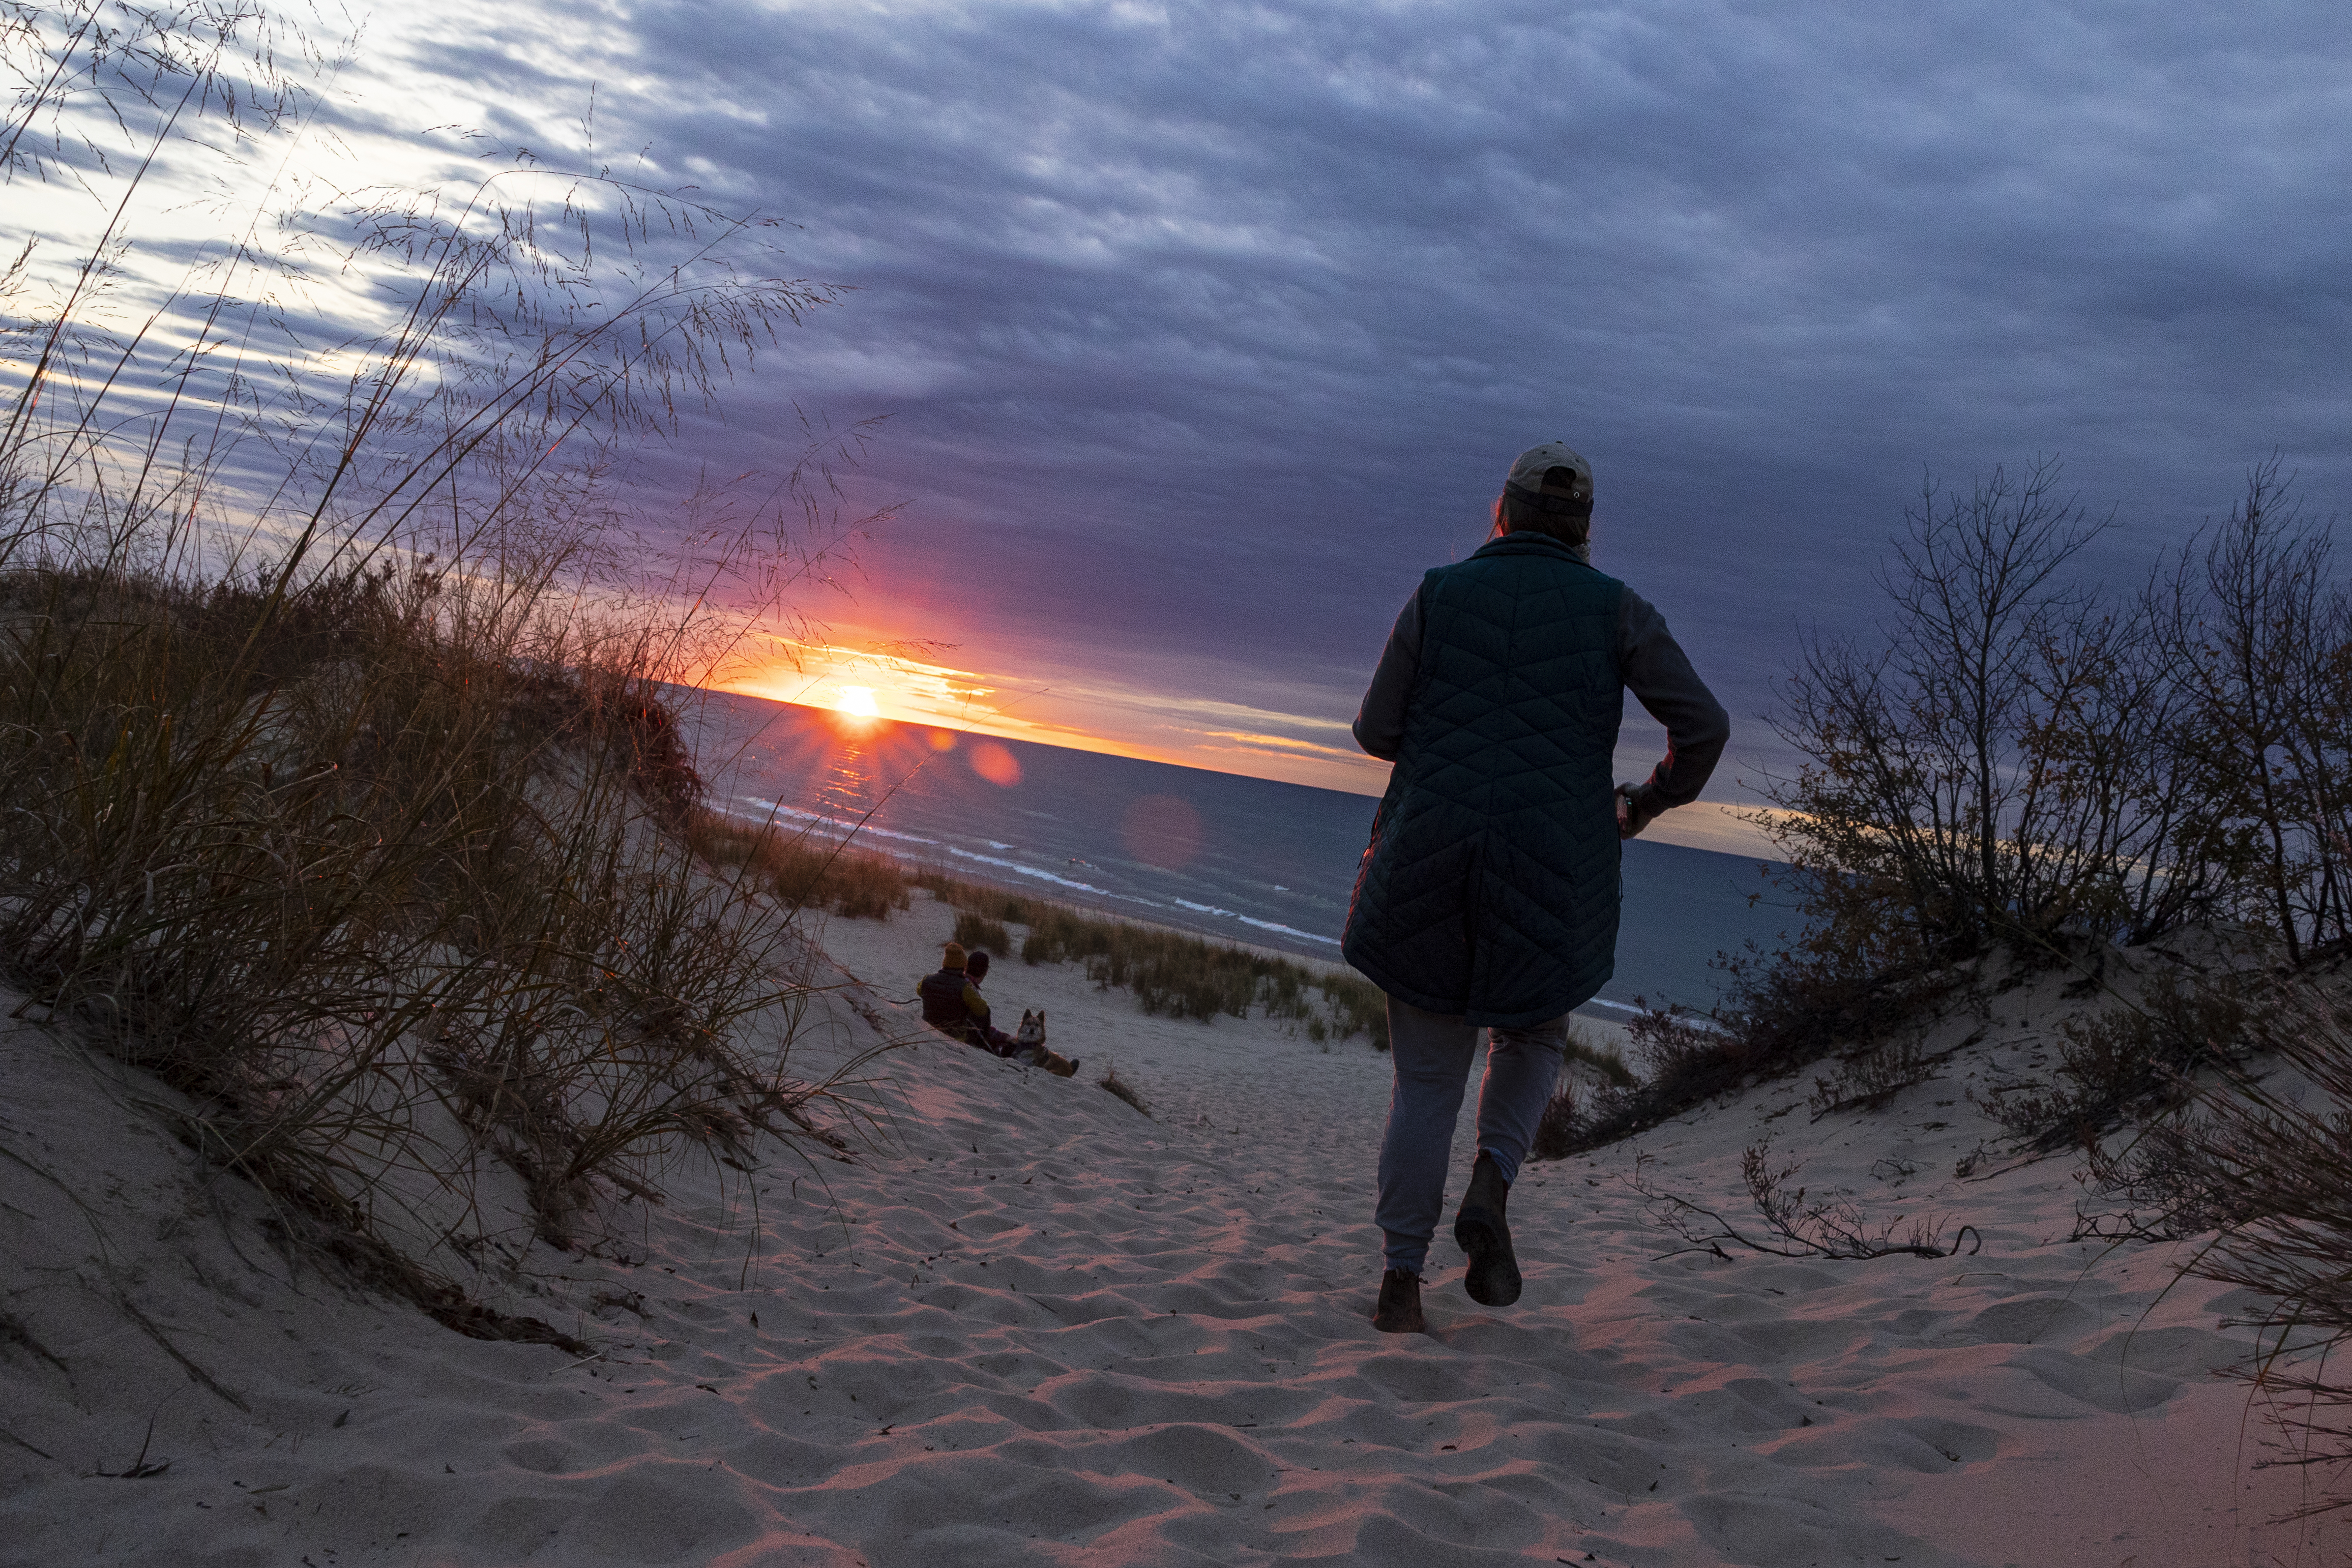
[1025,1324]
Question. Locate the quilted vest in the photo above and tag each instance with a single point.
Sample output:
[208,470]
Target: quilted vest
[1489,889]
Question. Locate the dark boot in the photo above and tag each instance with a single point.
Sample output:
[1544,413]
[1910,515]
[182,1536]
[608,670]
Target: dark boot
[1400,1308]
[1493,1278]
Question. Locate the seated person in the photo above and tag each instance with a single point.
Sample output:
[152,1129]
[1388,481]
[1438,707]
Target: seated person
[952,1004]
[976,970]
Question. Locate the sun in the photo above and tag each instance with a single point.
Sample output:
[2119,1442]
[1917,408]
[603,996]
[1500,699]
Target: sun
[858,702]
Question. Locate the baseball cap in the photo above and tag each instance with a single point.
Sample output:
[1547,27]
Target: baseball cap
[1534,481]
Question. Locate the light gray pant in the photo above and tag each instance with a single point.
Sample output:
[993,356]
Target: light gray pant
[1433,1055]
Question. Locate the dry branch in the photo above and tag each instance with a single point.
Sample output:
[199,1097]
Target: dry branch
[1832,1228]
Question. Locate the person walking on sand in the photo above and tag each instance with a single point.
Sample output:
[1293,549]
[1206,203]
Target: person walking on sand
[1487,897]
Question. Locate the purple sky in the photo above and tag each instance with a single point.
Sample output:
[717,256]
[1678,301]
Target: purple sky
[1203,330]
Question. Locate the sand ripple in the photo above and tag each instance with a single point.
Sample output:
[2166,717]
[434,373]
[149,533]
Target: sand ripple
[1028,1325]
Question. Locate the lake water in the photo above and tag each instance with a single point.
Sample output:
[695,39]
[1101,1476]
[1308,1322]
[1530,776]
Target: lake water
[1245,859]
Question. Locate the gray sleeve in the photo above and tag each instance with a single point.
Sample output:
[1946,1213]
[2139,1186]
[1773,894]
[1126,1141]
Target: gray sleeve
[1660,677]
[1379,723]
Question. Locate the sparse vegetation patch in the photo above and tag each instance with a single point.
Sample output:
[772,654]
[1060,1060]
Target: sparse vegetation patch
[2137,1062]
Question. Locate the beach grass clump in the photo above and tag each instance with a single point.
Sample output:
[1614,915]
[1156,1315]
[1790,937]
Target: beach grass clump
[1604,1059]
[1172,973]
[801,870]
[1120,1088]
[2138,1063]
[2257,1165]
[1690,1059]
[979,933]
[1558,1129]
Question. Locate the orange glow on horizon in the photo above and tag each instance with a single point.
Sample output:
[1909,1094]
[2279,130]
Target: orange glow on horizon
[948,710]
[889,683]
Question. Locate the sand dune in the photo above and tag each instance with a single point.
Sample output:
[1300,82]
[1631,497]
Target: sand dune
[1023,1323]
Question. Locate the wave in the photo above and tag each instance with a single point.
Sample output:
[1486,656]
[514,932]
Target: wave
[1261,925]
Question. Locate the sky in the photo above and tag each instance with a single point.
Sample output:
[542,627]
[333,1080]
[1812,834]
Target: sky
[1197,332]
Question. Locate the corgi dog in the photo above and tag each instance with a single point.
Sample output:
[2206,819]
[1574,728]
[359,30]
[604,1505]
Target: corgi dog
[1030,1040]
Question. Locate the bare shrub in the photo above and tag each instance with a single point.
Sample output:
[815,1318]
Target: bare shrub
[2007,765]
[2025,762]
[2162,1185]
[2256,631]
[1794,1223]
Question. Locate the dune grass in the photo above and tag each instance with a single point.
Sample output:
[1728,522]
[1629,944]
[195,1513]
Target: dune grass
[800,870]
[1604,1059]
[978,932]
[1169,972]
[387,884]
[341,788]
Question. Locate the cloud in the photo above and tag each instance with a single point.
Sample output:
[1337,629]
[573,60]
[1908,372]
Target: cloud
[1228,316]
[1204,328]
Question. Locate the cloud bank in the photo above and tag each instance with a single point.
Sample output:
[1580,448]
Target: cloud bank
[1203,330]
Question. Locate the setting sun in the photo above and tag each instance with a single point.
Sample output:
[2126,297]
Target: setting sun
[857,701]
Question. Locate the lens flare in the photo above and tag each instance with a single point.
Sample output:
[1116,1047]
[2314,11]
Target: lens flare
[996,764]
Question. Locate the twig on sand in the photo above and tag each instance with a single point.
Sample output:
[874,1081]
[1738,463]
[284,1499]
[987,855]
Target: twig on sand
[140,1470]
[22,1444]
[1831,1228]
[12,1332]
